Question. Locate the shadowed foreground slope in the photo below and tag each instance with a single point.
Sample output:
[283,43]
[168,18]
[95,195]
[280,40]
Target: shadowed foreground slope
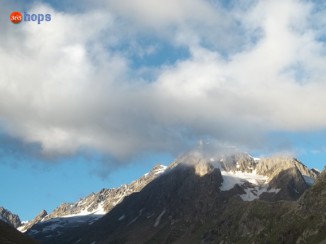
[9,235]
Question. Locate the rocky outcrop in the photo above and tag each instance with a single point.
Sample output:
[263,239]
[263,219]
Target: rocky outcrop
[274,165]
[202,168]
[36,220]
[9,218]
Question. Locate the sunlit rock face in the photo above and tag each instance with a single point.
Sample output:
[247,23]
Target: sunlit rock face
[9,218]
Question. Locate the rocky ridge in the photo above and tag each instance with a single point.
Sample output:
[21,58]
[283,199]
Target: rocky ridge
[9,218]
[88,209]
[36,220]
[284,177]
[269,166]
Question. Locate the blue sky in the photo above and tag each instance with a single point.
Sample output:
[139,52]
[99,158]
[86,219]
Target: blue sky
[98,95]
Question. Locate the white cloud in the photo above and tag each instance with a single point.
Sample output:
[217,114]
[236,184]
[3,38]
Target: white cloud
[65,85]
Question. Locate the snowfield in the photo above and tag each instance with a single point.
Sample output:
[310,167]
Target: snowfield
[259,183]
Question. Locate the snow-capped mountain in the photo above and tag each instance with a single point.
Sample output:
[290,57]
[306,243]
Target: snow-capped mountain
[257,177]
[184,192]
[222,199]
[86,210]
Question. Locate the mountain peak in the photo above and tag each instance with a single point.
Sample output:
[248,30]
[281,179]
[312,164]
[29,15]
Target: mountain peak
[9,218]
[265,178]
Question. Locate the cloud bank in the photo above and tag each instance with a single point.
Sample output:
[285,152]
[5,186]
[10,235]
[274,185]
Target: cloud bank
[251,68]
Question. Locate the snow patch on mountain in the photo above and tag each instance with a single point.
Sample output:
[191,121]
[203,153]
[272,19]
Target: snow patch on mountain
[22,228]
[98,211]
[252,183]
[254,193]
[230,179]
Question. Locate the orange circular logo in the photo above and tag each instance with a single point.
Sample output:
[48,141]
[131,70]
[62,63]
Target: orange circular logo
[16,17]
